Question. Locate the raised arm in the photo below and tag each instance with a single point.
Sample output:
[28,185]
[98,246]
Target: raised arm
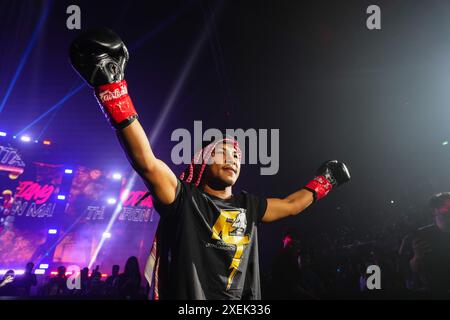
[100,57]
[156,174]
[330,174]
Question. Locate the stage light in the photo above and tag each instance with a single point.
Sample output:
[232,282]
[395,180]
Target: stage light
[47,142]
[106,235]
[117,176]
[25,138]
[392,201]
[39,271]
[43,266]
[111,201]
[36,141]
[61,197]
[53,273]
[14,137]
[2,134]
[444,143]
[68,171]
[104,275]
[52,231]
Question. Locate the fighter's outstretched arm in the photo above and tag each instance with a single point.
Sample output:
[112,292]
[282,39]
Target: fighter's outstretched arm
[100,57]
[293,204]
[330,174]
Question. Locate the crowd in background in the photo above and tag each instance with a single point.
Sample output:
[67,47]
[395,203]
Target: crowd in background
[412,251]
[126,285]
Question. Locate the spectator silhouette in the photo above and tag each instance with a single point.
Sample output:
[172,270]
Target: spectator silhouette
[129,282]
[84,279]
[26,281]
[112,282]
[95,283]
[58,285]
[286,269]
[431,249]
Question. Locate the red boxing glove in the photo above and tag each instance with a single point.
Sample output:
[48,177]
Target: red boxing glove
[116,104]
[319,186]
[331,173]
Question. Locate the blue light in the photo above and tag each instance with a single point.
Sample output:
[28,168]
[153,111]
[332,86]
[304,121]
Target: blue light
[2,134]
[68,171]
[61,197]
[52,231]
[43,266]
[25,54]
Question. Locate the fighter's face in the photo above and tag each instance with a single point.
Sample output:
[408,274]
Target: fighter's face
[225,166]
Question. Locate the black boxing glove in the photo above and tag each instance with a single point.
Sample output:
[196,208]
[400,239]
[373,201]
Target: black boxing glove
[100,57]
[329,175]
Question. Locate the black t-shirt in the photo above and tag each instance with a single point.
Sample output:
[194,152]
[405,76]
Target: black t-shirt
[208,246]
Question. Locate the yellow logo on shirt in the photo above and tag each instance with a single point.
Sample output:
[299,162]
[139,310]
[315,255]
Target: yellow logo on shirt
[230,228]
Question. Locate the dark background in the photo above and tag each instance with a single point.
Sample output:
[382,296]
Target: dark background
[375,99]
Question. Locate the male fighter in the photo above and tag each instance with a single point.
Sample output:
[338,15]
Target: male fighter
[206,244]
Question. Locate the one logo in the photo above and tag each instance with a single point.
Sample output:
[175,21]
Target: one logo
[373,22]
[374,280]
[74,281]
[108,95]
[230,227]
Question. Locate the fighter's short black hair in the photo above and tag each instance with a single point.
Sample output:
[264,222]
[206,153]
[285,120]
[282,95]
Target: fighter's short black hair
[439,199]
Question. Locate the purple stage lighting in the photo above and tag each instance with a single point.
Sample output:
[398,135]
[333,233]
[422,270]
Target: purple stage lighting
[52,231]
[111,201]
[39,271]
[106,235]
[68,171]
[2,134]
[43,266]
[61,197]
[117,176]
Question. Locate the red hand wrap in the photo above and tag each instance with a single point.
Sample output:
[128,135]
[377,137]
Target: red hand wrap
[320,186]
[115,102]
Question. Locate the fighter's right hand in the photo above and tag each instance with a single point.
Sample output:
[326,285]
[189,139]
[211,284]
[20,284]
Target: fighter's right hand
[100,57]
